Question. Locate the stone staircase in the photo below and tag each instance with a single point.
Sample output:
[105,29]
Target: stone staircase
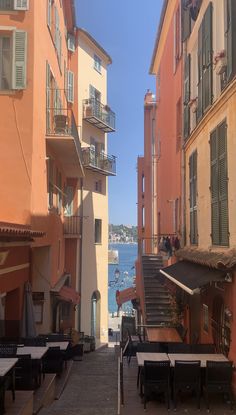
[159,307]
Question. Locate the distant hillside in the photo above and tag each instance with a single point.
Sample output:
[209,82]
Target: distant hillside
[122,233]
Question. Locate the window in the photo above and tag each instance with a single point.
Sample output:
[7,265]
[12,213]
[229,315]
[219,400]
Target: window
[14,4]
[98,231]
[98,186]
[205,318]
[50,182]
[13,60]
[193,197]
[69,191]
[94,93]
[230,37]
[71,42]
[70,86]
[219,186]
[178,125]
[205,63]
[187,94]
[38,302]
[97,63]
[177,38]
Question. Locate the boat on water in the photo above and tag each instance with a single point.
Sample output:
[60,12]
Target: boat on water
[113,257]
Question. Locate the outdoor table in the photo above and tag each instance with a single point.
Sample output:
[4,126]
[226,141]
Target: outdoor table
[155,357]
[63,345]
[35,351]
[163,334]
[7,365]
[195,356]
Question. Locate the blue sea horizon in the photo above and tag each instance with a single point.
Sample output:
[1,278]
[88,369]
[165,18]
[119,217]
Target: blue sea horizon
[121,276]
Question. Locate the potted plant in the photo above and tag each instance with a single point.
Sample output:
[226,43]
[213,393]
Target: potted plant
[220,62]
[193,104]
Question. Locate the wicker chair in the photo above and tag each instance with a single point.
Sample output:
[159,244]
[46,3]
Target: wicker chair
[218,379]
[156,378]
[187,377]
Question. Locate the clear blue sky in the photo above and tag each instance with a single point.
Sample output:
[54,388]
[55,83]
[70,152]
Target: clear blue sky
[126,29]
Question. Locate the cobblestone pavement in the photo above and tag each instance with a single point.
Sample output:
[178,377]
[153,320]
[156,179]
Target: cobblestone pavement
[92,387]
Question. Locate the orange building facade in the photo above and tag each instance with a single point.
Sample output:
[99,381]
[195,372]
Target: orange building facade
[41,164]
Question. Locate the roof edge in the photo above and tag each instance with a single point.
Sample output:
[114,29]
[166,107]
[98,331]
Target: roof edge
[91,38]
[158,35]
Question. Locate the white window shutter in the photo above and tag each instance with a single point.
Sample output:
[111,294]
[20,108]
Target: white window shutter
[19,59]
[70,86]
[21,4]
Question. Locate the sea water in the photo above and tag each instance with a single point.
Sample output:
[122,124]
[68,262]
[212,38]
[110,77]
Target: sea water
[122,275]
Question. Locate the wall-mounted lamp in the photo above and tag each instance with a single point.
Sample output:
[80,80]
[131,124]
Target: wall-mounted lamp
[228,277]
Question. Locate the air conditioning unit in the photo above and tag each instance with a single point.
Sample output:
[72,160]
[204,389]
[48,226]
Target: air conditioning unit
[21,4]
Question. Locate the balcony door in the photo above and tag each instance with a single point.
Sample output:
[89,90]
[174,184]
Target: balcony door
[69,191]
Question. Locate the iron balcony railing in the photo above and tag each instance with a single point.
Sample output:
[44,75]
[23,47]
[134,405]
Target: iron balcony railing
[99,115]
[61,122]
[99,161]
[72,225]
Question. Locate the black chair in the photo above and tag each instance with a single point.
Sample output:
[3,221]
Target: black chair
[35,341]
[53,361]
[187,378]
[179,348]
[156,378]
[24,379]
[132,346]
[218,379]
[8,350]
[203,348]
[146,347]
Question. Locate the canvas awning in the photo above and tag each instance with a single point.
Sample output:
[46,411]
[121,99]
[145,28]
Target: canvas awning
[64,292]
[125,295]
[190,276]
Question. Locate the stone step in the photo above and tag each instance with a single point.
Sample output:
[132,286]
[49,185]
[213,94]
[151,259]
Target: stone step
[158,320]
[151,294]
[159,302]
[154,308]
[22,405]
[45,395]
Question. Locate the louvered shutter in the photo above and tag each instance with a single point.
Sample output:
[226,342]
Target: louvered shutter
[187,68]
[56,38]
[230,37]
[70,86]
[185,21]
[215,232]
[207,58]
[49,13]
[19,59]
[193,197]
[223,185]
[21,4]
[48,97]
[200,74]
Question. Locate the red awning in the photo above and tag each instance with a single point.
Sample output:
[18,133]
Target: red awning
[126,295]
[69,294]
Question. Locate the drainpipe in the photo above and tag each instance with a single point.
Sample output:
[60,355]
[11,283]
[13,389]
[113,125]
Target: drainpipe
[80,249]
[183,175]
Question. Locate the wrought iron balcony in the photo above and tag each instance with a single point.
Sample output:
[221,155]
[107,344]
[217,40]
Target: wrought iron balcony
[99,115]
[100,162]
[72,226]
[62,135]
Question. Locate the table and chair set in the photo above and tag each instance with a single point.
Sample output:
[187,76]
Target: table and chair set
[24,362]
[173,368]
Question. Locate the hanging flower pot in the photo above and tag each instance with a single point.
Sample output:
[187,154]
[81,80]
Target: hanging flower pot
[220,62]
[193,104]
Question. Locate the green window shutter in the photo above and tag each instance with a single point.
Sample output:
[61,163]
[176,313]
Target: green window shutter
[193,197]
[207,58]
[215,234]
[187,68]
[48,97]
[185,21]
[49,13]
[19,59]
[200,74]
[70,86]
[230,37]
[223,184]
